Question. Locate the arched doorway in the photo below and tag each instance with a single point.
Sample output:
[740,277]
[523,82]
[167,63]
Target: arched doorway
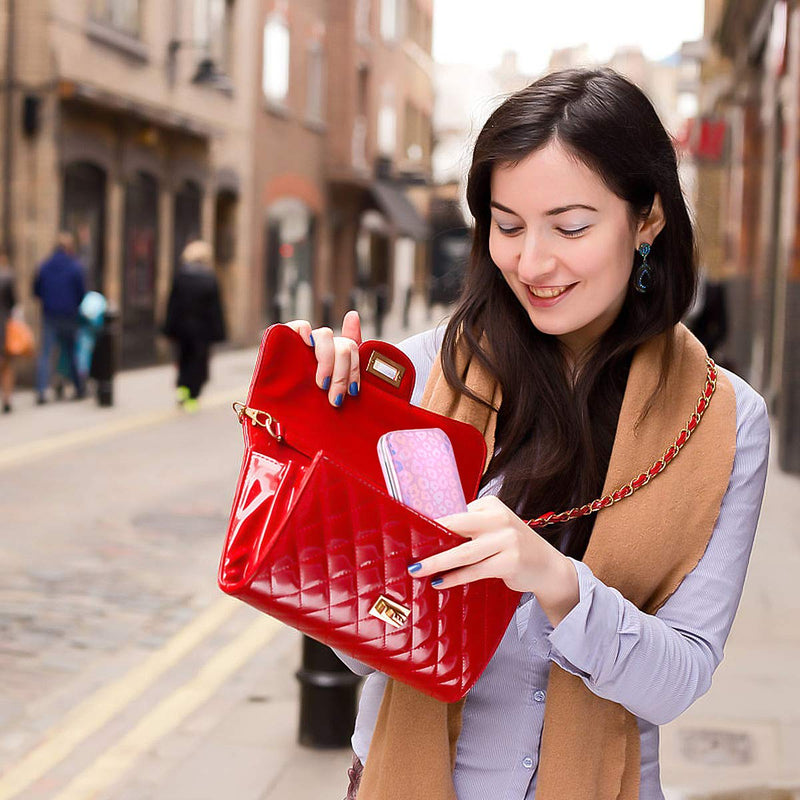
[289,255]
[188,211]
[139,270]
[83,213]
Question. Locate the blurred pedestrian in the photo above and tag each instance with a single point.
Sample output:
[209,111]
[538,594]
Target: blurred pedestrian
[194,320]
[8,300]
[60,285]
[708,319]
[91,315]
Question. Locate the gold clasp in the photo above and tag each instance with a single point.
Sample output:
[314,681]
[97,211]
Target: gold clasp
[259,419]
[390,611]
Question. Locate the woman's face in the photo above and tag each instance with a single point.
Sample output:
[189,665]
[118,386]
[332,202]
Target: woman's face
[564,242]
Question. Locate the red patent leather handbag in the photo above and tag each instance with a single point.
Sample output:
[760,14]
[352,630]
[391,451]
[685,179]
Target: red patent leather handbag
[315,541]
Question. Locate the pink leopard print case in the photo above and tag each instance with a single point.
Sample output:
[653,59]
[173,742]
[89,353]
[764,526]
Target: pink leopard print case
[421,472]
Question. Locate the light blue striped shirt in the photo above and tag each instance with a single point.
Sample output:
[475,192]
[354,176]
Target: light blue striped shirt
[656,666]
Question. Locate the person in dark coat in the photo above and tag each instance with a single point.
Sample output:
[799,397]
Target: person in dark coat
[60,285]
[194,320]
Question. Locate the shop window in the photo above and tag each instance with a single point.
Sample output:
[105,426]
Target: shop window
[225,229]
[122,15]
[275,74]
[188,208]
[83,213]
[140,247]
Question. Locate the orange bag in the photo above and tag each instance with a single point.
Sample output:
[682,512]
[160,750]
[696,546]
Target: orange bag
[19,338]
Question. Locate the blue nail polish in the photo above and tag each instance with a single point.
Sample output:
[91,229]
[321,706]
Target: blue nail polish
[311,337]
[353,390]
[415,567]
[338,400]
[437,581]
[326,384]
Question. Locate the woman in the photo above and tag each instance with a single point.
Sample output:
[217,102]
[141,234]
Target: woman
[568,339]
[8,300]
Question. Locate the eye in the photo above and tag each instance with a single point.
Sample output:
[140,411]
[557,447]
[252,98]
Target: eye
[572,233]
[507,230]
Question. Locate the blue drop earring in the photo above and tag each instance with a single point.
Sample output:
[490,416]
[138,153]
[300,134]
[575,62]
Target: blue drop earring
[643,279]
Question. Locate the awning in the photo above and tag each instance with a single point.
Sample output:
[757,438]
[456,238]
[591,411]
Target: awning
[402,215]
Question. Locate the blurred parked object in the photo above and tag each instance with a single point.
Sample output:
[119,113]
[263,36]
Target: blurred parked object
[327,698]
[708,320]
[105,357]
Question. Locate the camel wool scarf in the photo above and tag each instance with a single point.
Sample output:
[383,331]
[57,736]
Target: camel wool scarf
[643,546]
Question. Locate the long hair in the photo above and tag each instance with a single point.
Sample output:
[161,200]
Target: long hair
[555,430]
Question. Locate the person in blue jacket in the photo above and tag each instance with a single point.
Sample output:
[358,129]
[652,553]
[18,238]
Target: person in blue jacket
[60,286]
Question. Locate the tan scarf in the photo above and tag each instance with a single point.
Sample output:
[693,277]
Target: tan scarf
[643,546]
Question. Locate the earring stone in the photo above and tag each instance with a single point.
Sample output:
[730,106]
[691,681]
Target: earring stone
[644,277]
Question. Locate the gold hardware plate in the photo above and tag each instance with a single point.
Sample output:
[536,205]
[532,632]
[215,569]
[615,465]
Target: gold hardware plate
[390,611]
[384,368]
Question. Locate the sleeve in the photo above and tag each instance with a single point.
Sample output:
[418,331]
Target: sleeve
[422,350]
[658,665]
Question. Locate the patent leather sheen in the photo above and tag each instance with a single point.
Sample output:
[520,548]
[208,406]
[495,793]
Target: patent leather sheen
[314,539]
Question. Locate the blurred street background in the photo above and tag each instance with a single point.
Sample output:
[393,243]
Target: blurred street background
[321,147]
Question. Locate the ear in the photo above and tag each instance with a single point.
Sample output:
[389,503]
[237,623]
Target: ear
[653,225]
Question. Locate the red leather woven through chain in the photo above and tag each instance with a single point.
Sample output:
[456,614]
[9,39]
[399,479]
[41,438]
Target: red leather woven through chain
[658,467]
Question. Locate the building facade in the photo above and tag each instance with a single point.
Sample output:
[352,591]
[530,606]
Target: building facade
[129,123]
[295,135]
[747,152]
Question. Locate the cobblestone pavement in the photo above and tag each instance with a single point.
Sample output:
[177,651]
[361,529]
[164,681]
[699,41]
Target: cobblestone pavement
[126,675]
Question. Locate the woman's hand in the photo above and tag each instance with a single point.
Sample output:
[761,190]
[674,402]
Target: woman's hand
[338,369]
[502,546]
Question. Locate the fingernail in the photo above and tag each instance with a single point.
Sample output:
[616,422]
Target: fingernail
[338,400]
[437,581]
[311,337]
[326,384]
[353,389]
[415,567]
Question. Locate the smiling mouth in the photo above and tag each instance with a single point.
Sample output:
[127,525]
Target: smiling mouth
[548,292]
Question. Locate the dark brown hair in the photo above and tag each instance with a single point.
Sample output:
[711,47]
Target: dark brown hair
[556,429]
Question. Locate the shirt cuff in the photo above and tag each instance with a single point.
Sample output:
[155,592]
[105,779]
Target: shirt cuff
[582,642]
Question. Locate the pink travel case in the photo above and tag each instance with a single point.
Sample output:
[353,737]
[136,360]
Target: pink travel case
[421,472]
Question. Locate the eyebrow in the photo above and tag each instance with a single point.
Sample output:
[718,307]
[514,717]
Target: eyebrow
[551,213]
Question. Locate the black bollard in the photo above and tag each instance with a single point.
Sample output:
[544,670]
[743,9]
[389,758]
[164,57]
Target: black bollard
[327,698]
[104,359]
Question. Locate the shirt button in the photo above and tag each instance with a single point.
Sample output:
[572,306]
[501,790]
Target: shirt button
[527,762]
[539,696]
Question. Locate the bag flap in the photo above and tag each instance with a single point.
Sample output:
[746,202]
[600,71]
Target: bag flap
[283,386]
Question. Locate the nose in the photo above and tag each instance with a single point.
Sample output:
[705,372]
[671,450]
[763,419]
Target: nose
[535,260]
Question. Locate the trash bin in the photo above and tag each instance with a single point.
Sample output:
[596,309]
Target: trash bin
[104,359]
[327,698]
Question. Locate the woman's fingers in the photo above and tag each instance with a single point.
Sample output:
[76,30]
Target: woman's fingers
[303,327]
[470,552]
[345,374]
[351,326]
[338,369]
[491,567]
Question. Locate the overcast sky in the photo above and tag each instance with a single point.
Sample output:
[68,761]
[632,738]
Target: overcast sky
[479,31]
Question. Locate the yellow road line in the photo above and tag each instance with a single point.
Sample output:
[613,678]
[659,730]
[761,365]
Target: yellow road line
[28,451]
[99,708]
[170,712]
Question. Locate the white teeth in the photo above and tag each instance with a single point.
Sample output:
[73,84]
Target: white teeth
[549,291]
